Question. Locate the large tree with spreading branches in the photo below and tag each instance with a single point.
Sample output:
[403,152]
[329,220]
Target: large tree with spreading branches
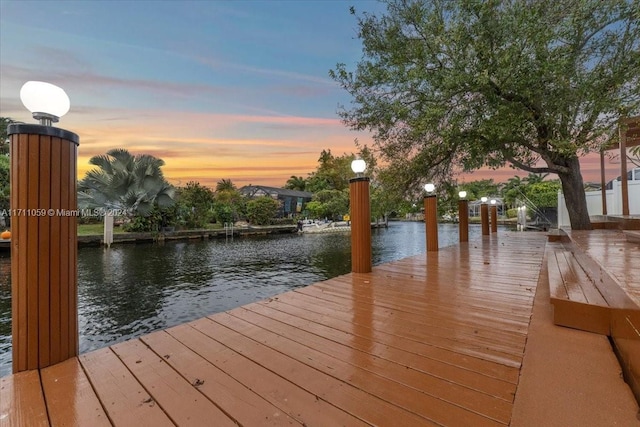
[451,85]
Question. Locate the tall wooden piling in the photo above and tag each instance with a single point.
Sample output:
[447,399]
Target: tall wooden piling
[43,245]
[360,225]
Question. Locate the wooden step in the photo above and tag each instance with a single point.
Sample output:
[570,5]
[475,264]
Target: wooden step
[632,236]
[577,301]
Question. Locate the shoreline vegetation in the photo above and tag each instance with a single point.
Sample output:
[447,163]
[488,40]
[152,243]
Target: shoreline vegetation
[91,234]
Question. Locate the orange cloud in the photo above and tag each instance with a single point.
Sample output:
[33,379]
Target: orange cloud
[178,140]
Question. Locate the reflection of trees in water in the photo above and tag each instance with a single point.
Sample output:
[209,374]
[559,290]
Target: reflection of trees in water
[5,298]
[124,289]
[5,272]
[333,255]
[123,285]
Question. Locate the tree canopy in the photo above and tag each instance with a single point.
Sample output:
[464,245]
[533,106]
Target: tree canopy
[5,186]
[195,204]
[450,85]
[332,173]
[4,182]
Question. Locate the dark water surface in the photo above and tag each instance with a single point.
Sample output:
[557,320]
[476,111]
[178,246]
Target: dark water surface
[131,290]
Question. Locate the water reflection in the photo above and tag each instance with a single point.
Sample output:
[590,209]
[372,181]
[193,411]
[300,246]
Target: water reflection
[5,313]
[130,290]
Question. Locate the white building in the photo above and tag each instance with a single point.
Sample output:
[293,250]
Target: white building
[614,199]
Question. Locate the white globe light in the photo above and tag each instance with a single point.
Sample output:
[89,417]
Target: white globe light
[429,188]
[462,194]
[358,166]
[493,201]
[41,97]
[483,199]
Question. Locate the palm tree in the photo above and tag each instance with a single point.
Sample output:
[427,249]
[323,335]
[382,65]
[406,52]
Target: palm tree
[127,182]
[296,183]
[535,178]
[511,190]
[225,185]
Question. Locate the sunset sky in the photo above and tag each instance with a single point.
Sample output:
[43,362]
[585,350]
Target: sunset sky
[235,90]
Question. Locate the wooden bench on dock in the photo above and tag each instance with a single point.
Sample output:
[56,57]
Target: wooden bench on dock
[632,236]
[582,292]
[577,302]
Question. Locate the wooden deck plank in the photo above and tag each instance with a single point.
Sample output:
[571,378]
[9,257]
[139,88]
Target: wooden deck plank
[480,403]
[442,301]
[121,395]
[404,299]
[557,289]
[450,343]
[424,292]
[359,403]
[590,291]
[418,307]
[613,255]
[569,278]
[247,406]
[477,282]
[446,371]
[498,336]
[179,399]
[290,397]
[70,398]
[426,349]
[21,401]
[508,303]
[410,399]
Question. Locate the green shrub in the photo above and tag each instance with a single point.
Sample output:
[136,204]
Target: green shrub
[261,210]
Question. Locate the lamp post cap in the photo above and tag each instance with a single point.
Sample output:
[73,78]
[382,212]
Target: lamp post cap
[429,188]
[484,199]
[462,194]
[493,201]
[358,166]
[44,100]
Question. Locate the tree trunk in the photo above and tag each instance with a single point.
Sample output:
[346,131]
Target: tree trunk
[574,196]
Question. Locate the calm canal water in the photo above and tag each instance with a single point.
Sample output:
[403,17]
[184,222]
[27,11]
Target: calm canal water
[131,290]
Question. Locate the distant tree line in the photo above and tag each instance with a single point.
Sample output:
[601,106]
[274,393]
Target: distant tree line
[135,184]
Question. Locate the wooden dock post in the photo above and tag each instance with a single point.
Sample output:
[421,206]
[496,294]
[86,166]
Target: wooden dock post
[484,218]
[463,219]
[43,245]
[431,222]
[360,225]
[494,217]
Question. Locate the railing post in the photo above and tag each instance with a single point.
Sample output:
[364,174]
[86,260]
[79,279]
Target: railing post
[44,245]
[360,225]
[484,218]
[431,222]
[463,220]
[494,218]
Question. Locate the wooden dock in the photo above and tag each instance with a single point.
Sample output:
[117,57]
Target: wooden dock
[435,339]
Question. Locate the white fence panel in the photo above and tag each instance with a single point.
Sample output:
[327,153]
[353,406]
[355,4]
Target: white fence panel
[594,202]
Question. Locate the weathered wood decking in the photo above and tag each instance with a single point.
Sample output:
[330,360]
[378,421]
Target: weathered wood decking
[436,339]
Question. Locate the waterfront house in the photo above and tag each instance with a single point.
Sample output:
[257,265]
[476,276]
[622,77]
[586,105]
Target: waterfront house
[292,202]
